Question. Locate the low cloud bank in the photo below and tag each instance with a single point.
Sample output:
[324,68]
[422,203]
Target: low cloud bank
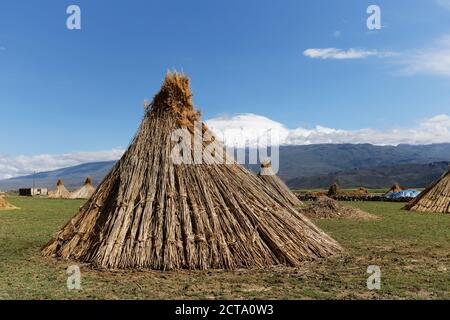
[249,130]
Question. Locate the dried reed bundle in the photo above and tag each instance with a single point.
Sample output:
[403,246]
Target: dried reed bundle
[362,191]
[334,190]
[149,212]
[395,188]
[327,208]
[435,198]
[278,187]
[60,192]
[85,192]
[5,205]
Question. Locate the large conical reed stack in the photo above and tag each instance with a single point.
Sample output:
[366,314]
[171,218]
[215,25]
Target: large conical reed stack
[85,192]
[435,198]
[280,189]
[60,192]
[154,211]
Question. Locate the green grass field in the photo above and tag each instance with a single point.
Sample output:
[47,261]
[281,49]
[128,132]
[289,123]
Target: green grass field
[412,250]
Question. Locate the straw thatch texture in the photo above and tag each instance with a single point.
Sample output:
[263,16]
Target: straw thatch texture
[334,189]
[361,191]
[60,192]
[279,188]
[327,208]
[395,188]
[85,192]
[435,198]
[152,213]
[5,205]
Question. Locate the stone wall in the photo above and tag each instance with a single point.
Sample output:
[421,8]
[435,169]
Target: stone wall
[344,197]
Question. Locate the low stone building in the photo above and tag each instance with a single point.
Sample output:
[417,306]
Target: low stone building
[31,192]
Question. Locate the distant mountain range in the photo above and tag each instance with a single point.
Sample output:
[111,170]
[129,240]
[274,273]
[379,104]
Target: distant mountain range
[310,166]
[317,160]
[407,175]
[73,177]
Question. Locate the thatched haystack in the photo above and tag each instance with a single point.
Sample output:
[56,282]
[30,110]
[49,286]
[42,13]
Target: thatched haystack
[85,192]
[5,205]
[435,198]
[60,192]
[361,191]
[334,190]
[153,212]
[279,188]
[327,208]
[395,188]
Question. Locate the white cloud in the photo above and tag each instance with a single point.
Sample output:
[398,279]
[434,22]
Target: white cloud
[431,61]
[246,129]
[434,60]
[11,166]
[341,54]
[249,130]
[444,4]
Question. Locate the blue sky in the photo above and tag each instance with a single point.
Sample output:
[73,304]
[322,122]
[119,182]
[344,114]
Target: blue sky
[65,91]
